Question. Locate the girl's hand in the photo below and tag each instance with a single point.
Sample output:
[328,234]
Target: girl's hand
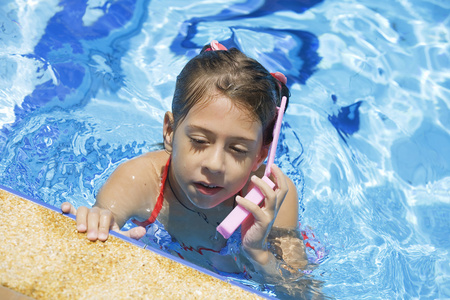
[97,222]
[256,229]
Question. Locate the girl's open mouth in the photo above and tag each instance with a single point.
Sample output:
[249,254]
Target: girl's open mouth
[207,189]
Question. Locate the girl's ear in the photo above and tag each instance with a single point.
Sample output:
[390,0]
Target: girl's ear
[261,157]
[168,131]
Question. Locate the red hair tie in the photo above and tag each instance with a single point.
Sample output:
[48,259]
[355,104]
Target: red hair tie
[215,45]
[280,77]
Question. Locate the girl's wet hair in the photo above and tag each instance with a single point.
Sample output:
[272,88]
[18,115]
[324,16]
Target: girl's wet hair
[234,75]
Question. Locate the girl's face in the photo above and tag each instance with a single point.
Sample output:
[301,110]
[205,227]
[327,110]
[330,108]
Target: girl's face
[214,150]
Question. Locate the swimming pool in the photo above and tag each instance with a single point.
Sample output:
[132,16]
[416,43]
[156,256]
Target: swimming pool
[84,86]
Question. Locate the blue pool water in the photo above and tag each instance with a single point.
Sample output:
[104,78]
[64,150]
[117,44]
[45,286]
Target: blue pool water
[84,86]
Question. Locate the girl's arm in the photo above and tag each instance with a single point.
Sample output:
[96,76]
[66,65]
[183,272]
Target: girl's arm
[126,193]
[285,238]
[275,223]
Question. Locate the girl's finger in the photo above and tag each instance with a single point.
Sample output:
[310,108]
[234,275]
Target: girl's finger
[280,178]
[82,218]
[68,208]
[267,191]
[105,220]
[92,223]
[134,233]
[282,186]
[252,208]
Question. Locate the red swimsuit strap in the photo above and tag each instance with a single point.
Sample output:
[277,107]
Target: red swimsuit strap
[159,201]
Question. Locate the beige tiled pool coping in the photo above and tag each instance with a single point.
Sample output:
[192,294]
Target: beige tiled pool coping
[42,256]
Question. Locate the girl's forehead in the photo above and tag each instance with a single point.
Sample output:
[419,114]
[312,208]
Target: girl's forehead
[221,114]
[222,107]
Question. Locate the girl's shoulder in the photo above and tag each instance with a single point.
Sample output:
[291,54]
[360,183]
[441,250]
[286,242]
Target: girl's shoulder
[149,165]
[139,178]
[132,188]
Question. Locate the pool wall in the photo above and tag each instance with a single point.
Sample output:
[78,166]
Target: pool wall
[44,257]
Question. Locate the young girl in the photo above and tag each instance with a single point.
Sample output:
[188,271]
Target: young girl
[215,142]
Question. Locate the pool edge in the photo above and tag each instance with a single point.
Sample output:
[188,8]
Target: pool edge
[142,245]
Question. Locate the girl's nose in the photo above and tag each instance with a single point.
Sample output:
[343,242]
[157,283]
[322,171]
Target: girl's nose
[215,160]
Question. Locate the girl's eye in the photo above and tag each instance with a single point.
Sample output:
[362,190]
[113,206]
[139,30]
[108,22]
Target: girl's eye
[239,150]
[198,141]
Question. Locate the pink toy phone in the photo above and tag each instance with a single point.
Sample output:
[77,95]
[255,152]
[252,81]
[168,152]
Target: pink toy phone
[238,214]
